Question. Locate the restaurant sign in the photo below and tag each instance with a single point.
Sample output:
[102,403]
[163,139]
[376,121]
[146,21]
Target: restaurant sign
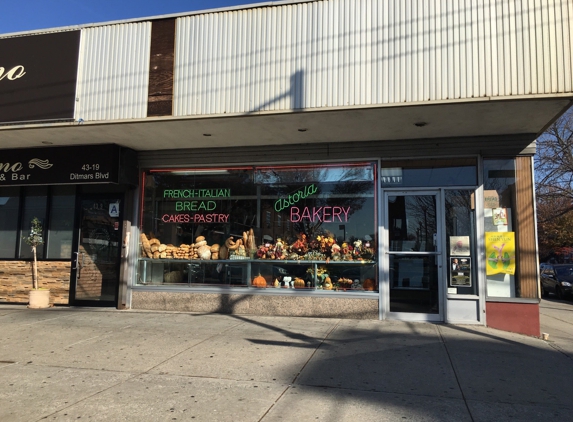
[38,75]
[61,165]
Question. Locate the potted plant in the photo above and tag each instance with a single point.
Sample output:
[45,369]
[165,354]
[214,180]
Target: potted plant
[39,298]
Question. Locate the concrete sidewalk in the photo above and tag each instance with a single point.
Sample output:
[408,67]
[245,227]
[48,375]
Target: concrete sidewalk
[106,365]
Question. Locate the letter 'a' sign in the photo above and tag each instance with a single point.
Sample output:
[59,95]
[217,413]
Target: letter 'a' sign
[114,209]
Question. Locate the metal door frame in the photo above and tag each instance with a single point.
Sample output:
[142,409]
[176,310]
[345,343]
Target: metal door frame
[384,271]
[76,244]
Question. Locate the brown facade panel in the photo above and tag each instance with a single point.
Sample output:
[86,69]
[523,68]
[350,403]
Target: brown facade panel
[16,280]
[526,243]
[520,318]
[160,97]
[302,306]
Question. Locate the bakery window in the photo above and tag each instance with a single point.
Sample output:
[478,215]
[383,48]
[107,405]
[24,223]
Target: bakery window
[215,227]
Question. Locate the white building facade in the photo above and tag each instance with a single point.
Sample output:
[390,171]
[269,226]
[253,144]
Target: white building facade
[360,159]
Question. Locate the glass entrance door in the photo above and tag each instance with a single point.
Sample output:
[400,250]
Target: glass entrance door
[96,260]
[413,256]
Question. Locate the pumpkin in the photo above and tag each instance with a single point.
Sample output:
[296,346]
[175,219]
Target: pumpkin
[369,284]
[327,284]
[299,283]
[259,281]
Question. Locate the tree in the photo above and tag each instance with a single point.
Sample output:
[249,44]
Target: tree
[35,239]
[554,186]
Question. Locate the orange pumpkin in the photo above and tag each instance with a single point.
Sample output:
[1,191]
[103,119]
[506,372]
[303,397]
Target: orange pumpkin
[299,283]
[259,281]
[369,284]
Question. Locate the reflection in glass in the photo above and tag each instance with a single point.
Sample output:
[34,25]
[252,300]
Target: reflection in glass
[98,252]
[414,284]
[412,228]
[9,210]
[296,213]
[35,205]
[59,242]
[460,241]
[430,176]
[412,223]
[499,192]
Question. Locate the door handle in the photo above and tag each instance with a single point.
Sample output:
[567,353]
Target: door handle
[75,267]
[77,260]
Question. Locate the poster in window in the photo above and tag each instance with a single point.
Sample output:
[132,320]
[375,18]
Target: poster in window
[500,217]
[500,253]
[459,245]
[460,270]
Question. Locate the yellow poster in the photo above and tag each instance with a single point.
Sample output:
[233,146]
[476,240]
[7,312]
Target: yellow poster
[500,252]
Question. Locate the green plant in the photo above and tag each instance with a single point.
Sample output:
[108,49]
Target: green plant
[35,239]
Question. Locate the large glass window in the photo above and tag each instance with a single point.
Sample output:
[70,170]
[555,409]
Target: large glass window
[217,226]
[54,206]
[499,219]
[460,242]
[59,242]
[429,173]
[35,206]
[9,214]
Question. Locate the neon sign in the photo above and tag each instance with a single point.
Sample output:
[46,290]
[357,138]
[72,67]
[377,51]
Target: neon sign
[195,218]
[196,193]
[195,205]
[292,199]
[322,214]
[182,217]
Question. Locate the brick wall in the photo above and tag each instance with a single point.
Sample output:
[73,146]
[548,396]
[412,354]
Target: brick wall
[16,280]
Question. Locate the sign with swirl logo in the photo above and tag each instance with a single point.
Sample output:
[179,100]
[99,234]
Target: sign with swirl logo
[67,165]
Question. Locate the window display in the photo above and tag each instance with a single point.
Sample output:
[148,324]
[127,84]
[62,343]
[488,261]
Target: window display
[499,206]
[207,227]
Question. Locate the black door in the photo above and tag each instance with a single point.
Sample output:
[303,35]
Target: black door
[96,258]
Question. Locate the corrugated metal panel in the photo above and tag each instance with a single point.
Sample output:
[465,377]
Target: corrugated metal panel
[337,53]
[399,149]
[113,75]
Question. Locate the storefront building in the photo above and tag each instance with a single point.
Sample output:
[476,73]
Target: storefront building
[334,158]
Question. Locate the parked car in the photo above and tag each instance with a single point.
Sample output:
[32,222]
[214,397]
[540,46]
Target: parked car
[557,279]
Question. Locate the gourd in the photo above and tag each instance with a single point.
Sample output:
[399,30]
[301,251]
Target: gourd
[251,241]
[369,284]
[299,283]
[327,284]
[259,281]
